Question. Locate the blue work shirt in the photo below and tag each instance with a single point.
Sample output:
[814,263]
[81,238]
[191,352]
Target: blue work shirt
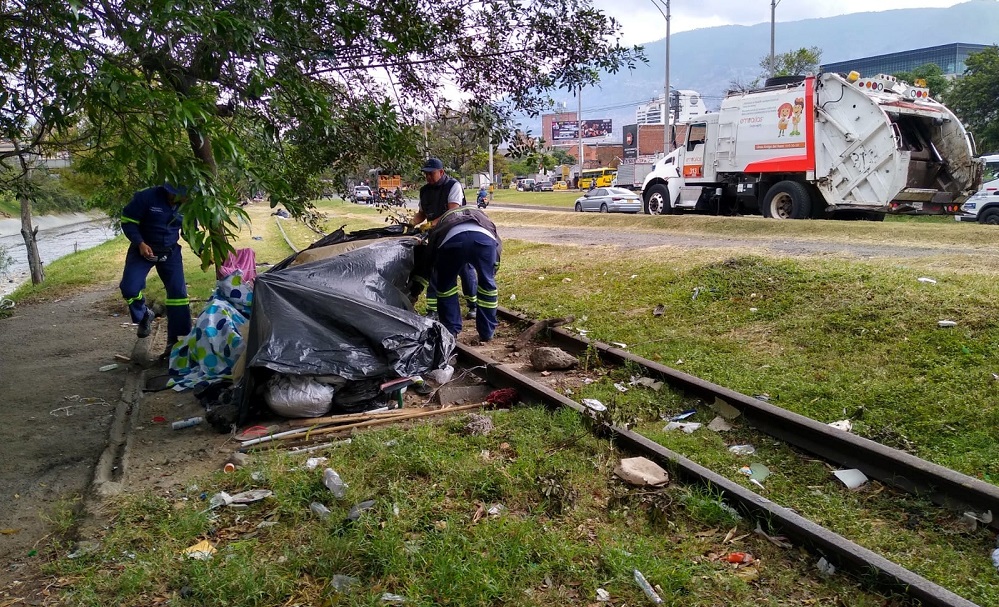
[149,218]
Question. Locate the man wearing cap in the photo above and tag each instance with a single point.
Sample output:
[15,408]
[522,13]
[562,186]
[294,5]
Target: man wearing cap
[441,194]
[152,223]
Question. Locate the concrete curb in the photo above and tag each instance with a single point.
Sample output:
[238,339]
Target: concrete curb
[532,207]
[109,474]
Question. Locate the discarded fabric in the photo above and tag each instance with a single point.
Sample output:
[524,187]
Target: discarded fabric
[687,427]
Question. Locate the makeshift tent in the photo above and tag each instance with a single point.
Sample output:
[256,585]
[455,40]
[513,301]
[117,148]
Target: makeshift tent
[346,316]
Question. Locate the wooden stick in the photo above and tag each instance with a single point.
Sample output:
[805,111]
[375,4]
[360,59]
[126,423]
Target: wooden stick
[308,433]
[354,417]
[542,325]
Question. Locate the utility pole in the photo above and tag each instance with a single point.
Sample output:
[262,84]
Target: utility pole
[773,15]
[579,129]
[667,143]
[492,175]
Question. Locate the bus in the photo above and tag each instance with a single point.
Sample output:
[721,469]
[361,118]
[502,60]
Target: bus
[603,176]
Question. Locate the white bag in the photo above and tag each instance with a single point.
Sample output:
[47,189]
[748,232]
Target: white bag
[298,396]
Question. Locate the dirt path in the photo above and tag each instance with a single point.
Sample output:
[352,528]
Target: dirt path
[633,239]
[56,407]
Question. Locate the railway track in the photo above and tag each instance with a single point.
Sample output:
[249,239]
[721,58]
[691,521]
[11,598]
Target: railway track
[947,488]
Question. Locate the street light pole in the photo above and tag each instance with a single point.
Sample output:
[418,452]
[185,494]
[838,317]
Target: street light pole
[579,127]
[773,14]
[667,143]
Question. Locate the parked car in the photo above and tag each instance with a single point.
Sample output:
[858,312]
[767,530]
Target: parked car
[362,194]
[526,185]
[543,186]
[560,185]
[610,200]
[983,207]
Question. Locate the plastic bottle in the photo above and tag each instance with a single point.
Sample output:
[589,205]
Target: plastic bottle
[334,483]
[646,587]
[319,510]
[187,423]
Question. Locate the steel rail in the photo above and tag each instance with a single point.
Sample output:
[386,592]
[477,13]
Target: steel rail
[941,485]
[840,551]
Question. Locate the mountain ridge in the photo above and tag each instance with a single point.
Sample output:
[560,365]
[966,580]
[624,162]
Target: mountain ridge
[708,60]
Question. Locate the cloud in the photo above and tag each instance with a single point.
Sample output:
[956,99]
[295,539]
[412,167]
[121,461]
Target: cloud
[641,22]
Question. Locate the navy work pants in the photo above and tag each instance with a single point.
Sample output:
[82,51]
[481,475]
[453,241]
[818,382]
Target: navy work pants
[171,271]
[479,251]
[468,289]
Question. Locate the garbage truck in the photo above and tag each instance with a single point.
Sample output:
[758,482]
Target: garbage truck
[825,146]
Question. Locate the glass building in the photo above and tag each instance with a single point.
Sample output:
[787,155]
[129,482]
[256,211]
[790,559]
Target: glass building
[950,58]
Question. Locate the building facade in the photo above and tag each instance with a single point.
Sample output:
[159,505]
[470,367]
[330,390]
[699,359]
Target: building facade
[949,57]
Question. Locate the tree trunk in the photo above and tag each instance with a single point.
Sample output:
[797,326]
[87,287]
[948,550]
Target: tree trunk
[30,244]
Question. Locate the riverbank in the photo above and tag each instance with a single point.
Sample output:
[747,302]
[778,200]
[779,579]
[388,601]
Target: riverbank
[58,236]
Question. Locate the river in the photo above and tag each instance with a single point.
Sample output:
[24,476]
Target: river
[57,237]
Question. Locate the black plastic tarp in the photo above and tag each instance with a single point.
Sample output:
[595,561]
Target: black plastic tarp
[348,315]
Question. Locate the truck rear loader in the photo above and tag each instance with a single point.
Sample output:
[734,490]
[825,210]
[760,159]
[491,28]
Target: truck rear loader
[826,146]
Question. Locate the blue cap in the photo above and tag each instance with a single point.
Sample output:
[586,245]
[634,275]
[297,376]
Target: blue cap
[176,190]
[433,164]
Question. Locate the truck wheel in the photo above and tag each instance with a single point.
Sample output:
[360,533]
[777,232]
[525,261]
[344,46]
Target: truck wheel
[657,201]
[990,217]
[787,200]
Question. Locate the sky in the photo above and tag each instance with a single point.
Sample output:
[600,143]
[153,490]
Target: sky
[641,22]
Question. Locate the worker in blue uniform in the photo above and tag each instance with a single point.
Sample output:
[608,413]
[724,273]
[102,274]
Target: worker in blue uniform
[152,223]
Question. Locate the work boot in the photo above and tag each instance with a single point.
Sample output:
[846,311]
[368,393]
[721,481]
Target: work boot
[145,325]
[470,315]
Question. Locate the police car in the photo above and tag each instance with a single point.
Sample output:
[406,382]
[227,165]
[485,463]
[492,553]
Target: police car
[983,207]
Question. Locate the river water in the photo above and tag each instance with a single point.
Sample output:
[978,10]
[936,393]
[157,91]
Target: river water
[57,237]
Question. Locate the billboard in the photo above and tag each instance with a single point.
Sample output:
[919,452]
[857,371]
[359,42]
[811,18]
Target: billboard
[630,140]
[566,130]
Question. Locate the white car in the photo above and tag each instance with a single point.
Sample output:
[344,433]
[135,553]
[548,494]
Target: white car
[983,207]
[362,194]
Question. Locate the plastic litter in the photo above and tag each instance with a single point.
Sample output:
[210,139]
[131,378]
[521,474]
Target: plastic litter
[319,510]
[187,423]
[621,388]
[341,583]
[825,567]
[202,551]
[251,496]
[603,596]
[334,483]
[682,416]
[852,478]
[619,344]
[742,449]
[388,597]
[687,427]
[658,311]
[594,404]
[719,424]
[646,587]
[298,396]
[739,557]
[314,462]
[219,499]
[110,367]
[359,508]
[760,471]
[496,510]
[995,558]
[927,280]
[946,323]
[441,376]
[844,424]
[725,410]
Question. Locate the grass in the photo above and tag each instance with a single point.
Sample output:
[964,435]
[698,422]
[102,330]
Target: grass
[829,338]
[566,529]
